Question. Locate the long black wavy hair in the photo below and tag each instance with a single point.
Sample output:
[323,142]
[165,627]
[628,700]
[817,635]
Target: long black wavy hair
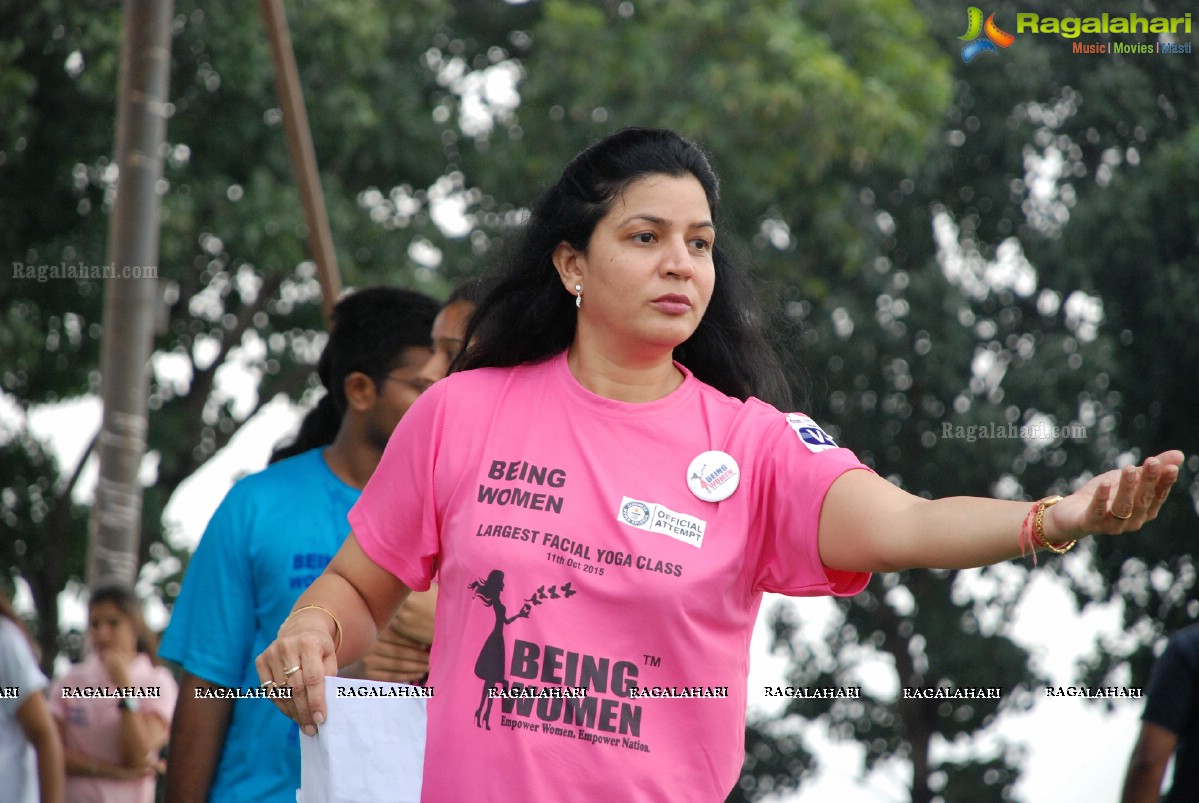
[528,316]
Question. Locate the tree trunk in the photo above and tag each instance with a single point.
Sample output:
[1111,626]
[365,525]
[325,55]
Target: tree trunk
[919,716]
[131,294]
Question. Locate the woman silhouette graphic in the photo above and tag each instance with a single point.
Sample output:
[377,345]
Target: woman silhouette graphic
[490,665]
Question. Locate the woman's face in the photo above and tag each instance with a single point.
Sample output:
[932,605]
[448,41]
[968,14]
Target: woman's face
[648,273]
[108,628]
[449,329]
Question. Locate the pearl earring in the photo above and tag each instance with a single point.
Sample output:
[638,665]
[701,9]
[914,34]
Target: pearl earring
[578,296]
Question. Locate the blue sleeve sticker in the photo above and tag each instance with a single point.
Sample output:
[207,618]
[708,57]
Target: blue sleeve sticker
[810,433]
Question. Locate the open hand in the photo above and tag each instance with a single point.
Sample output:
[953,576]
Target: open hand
[1117,501]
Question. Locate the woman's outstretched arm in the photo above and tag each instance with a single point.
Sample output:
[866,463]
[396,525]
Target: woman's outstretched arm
[868,524]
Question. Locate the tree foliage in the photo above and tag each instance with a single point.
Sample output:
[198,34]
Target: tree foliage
[1009,242]
[1048,168]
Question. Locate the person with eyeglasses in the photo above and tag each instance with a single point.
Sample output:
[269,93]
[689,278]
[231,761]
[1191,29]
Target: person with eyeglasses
[400,652]
[270,537]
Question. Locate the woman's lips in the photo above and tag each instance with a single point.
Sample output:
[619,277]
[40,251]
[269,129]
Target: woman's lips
[672,304]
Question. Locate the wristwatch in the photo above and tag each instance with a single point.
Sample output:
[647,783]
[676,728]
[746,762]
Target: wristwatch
[129,704]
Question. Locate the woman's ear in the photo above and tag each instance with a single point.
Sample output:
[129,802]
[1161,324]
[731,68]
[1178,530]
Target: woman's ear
[569,264]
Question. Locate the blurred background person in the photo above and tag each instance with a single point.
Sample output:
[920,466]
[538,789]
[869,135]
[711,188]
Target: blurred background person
[1169,726]
[31,764]
[271,535]
[113,743]
[400,654]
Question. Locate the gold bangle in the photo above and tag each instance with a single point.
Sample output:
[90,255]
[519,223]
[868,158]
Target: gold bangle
[1038,527]
[336,624]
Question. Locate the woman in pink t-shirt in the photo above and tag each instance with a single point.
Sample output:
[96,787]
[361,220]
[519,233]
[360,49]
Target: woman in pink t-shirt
[608,441]
[114,709]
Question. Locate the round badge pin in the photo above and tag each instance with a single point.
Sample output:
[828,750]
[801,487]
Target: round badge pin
[713,476]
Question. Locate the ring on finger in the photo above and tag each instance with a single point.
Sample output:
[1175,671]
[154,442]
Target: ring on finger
[289,672]
[268,684]
[1125,517]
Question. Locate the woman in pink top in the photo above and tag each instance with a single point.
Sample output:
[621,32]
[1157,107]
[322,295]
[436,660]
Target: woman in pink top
[610,455]
[114,709]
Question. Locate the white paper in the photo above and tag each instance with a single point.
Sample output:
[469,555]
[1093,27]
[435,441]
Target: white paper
[370,749]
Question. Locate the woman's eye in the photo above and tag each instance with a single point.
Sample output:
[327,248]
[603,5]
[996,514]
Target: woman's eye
[644,237]
[701,244]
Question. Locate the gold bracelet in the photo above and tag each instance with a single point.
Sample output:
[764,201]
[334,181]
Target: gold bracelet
[336,624]
[1038,527]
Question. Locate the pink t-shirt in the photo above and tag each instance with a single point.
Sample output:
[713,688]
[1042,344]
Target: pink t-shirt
[571,552]
[92,723]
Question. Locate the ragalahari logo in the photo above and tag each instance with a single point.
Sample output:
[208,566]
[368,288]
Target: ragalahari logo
[982,37]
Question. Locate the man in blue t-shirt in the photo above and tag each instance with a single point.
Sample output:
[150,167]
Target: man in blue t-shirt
[271,536]
[1169,726]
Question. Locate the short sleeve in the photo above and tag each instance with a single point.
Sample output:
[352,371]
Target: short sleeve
[797,463]
[18,667]
[1172,686]
[211,632]
[164,704]
[396,520]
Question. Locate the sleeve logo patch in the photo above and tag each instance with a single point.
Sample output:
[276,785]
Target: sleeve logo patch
[810,433]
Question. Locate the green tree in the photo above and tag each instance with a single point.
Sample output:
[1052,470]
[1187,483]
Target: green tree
[1066,163]
[238,290]
[1127,133]
[883,190]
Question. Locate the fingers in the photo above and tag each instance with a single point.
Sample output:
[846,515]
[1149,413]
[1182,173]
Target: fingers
[308,685]
[263,664]
[390,638]
[1141,492]
[396,660]
[400,672]
[415,616]
[1173,457]
[1101,500]
[1123,507]
[386,653]
[299,664]
[1159,481]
